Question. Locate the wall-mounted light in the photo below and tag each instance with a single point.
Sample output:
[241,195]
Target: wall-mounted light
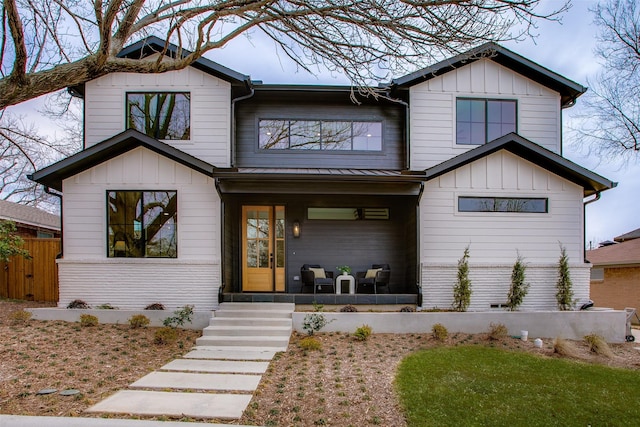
[296,228]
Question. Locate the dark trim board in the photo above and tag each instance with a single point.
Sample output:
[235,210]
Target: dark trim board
[332,299]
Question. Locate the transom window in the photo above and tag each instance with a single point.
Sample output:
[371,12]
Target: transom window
[503,204]
[479,121]
[161,115]
[320,135]
[142,224]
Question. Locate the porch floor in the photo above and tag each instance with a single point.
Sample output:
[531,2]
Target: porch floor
[322,298]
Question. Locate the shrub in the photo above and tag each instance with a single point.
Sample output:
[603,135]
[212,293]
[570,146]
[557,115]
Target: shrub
[106,306]
[138,321]
[155,306]
[598,345]
[165,335]
[317,307]
[314,322]
[439,332]
[564,348]
[10,243]
[20,316]
[407,309]
[88,320]
[362,333]
[564,294]
[182,315]
[462,288]
[309,343]
[349,309]
[497,331]
[519,288]
[78,304]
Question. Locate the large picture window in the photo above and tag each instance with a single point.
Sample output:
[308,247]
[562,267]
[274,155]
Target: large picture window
[161,115]
[142,224]
[479,121]
[320,135]
[503,204]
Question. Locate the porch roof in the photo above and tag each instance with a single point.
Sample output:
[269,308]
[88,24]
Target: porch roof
[591,182]
[319,181]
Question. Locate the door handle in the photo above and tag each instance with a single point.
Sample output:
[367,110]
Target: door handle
[271,260]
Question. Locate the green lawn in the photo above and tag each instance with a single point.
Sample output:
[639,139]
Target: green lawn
[465,386]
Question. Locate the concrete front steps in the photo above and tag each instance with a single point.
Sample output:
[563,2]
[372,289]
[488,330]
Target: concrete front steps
[215,380]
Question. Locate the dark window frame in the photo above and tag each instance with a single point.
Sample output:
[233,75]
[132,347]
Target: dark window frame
[486,115]
[503,207]
[320,144]
[140,244]
[156,134]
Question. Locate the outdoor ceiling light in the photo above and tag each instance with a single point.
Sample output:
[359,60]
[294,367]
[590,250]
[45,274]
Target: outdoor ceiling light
[296,228]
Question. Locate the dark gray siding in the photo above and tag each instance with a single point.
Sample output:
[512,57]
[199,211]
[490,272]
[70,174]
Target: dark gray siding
[318,106]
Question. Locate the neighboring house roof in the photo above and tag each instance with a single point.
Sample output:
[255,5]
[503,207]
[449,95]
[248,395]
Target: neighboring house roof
[52,176]
[625,253]
[628,236]
[568,89]
[152,45]
[28,215]
[514,143]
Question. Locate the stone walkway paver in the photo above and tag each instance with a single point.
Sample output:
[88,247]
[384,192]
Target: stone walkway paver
[198,381]
[223,366]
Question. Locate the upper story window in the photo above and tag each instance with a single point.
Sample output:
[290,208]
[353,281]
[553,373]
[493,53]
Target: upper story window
[320,135]
[503,204]
[479,121]
[142,224]
[161,115]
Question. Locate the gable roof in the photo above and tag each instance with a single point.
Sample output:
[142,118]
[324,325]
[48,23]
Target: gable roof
[28,215]
[635,234]
[568,89]
[620,254]
[52,175]
[522,147]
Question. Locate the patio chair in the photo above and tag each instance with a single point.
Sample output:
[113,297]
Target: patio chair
[378,275]
[315,276]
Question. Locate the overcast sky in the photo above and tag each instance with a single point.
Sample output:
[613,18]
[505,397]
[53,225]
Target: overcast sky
[566,48]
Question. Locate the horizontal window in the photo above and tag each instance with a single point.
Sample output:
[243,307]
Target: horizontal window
[160,115]
[347,214]
[320,135]
[502,204]
[597,274]
[142,224]
[479,121]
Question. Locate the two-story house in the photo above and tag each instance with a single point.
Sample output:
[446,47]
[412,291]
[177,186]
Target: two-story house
[200,185]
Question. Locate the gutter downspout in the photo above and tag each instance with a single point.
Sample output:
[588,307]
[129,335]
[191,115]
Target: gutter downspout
[418,250]
[222,252]
[59,196]
[584,224]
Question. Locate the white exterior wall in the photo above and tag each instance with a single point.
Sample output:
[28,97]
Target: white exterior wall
[86,273]
[433,110]
[105,107]
[495,238]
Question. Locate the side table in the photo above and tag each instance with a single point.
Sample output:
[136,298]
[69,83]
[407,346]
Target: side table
[345,277]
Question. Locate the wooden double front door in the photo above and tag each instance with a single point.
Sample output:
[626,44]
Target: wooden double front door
[263,248]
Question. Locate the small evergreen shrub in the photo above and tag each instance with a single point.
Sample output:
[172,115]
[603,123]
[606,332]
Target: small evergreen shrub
[310,343]
[78,304]
[497,331]
[20,317]
[182,315]
[564,286]
[519,288]
[138,321]
[106,306]
[462,287]
[439,332]
[87,320]
[407,309]
[155,306]
[313,322]
[165,335]
[598,345]
[349,309]
[362,333]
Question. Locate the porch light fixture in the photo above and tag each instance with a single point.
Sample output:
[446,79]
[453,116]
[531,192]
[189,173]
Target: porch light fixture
[296,228]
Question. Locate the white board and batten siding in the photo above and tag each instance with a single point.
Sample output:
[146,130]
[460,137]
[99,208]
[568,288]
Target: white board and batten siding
[496,238]
[433,110]
[87,273]
[105,109]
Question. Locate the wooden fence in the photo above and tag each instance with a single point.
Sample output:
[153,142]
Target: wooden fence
[34,279]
